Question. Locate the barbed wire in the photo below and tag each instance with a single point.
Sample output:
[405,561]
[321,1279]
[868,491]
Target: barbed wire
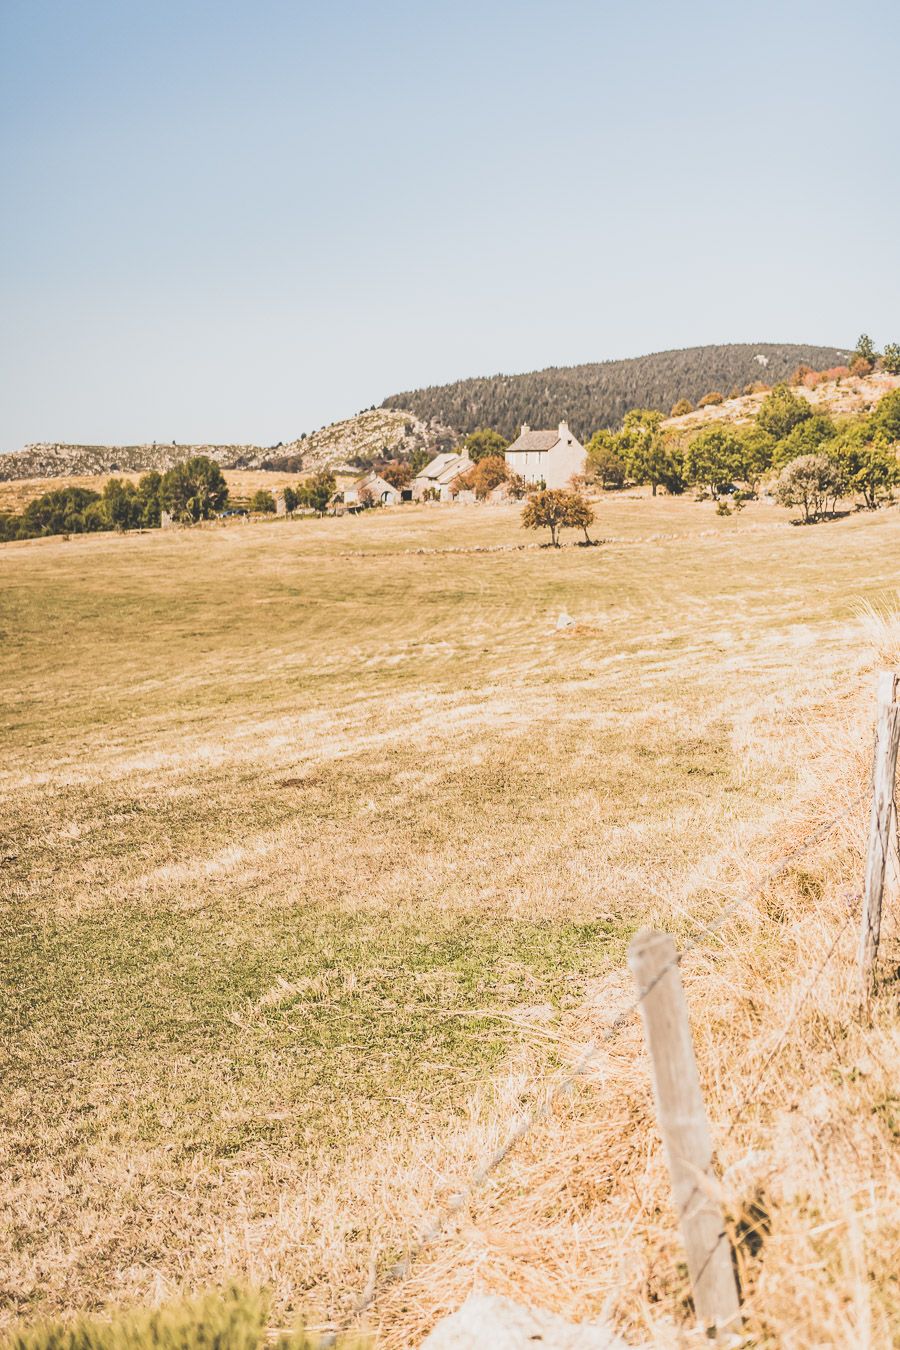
[400,1269]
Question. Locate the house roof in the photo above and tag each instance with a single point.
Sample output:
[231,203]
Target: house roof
[444,468]
[534,440]
[377,483]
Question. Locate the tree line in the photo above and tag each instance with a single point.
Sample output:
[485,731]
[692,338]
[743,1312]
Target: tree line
[856,457]
[189,492]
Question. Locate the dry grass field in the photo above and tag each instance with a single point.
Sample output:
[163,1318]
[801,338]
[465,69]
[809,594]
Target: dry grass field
[321,847]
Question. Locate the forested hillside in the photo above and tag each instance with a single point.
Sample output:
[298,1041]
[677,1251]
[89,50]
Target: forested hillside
[599,394]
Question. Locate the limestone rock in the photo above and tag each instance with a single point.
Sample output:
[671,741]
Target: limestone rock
[488,1322]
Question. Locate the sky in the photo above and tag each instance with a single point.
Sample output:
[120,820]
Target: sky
[240,220]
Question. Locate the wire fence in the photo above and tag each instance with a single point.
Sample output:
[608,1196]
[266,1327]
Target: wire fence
[397,1272]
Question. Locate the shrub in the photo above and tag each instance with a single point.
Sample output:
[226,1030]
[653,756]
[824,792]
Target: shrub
[861,367]
[236,1320]
[263,502]
[711,400]
[683,406]
[812,481]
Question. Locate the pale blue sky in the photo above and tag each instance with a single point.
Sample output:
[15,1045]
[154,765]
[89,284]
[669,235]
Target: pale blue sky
[238,220]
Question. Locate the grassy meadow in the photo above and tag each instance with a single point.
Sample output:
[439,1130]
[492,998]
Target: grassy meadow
[318,836]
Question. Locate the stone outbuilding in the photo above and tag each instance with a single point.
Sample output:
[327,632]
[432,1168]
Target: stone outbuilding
[380,489]
[548,458]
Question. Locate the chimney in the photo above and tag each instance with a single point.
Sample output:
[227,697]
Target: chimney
[525,427]
[564,431]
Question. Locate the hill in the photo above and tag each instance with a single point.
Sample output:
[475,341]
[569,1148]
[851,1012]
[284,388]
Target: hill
[599,394]
[343,446]
[846,397]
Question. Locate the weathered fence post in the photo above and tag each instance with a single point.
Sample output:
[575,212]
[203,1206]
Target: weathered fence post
[882,828]
[684,1128]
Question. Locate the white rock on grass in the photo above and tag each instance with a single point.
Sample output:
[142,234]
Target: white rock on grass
[488,1322]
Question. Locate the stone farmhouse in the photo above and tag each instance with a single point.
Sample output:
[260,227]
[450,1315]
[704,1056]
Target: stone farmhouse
[379,488]
[435,481]
[548,457]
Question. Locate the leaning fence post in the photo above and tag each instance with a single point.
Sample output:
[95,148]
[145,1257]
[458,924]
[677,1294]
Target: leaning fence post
[684,1127]
[882,826]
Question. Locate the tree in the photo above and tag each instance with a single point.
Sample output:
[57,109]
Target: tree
[755,454]
[867,462]
[886,417]
[646,457]
[483,443]
[890,358]
[606,458]
[484,476]
[548,509]
[397,472]
[263,502]
[290,499]
[193,490]
[811,482]
[419,458]
[148,494]
[809,437]
[865,349]
[122,507]
[579,514]
[714,458]
[316,492]
[62,511]
[780,412]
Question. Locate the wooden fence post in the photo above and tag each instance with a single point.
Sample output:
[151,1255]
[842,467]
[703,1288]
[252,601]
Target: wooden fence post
[684,1128]
[882,827]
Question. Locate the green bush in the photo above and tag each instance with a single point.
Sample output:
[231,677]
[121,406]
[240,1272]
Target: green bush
[263,502]
[235,1320]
